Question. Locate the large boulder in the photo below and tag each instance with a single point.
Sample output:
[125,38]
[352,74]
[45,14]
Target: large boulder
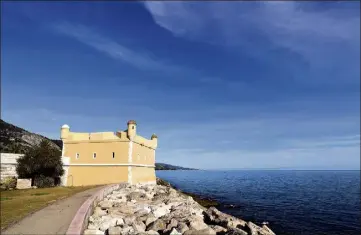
[175,232]
[93,232]
[158,225]
[136,196]
[218,229]
[124,209]
[114,230]
[214,216]
[106,204]
[107,223]
[127,230]
[138,226]
[152,232]
[253,228]
[161,211]
[98,212]
[266,231]
[207,231]
[150,219]
[235,231]
[197,223]
[129,220]
[172,224]
[182,227]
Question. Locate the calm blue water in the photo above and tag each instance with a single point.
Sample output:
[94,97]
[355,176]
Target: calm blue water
[293,202]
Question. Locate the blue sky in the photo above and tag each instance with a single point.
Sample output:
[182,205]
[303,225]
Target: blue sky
[223,84]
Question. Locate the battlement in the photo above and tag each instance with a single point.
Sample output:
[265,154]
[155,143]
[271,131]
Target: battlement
[127,135]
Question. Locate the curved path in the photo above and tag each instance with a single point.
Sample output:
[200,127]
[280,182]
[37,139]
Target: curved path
[53,219]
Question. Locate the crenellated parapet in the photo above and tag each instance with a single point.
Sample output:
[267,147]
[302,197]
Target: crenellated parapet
[128,135]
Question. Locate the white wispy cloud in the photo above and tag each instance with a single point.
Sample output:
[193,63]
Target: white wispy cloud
[314,34]
[114,49]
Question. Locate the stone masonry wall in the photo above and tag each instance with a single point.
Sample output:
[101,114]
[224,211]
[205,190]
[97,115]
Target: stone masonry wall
[8,164]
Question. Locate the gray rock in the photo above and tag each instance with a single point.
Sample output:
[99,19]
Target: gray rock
[127,230]
[161,211]
[93,226]
[93,232]
[98,212]
[138,226]
[136,196]
[105,204]
[172,224]
[173,193]
[235,223]
[125,209]
[214,216]
[182,227]
[236,231]
[129,220]
[197,223]
[150,219]
[107,224]
[119,220]
[266,231]
[217,228]
[158,225]
[253,228]
[175,232]
[114,231]
[206,231]
[152,232]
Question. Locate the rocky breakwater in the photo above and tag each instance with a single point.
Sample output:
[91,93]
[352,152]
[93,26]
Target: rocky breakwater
[159,209]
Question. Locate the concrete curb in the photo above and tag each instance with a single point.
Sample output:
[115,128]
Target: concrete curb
[80,220]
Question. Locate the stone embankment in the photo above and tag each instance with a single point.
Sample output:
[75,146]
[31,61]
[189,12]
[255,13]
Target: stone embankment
[159,209]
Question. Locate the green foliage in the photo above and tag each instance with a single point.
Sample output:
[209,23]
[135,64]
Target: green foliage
[40,162]
[42,181]
[8,183]
[164,166]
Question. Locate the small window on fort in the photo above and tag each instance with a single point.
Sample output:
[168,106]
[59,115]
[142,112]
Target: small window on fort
[113,154]
[94,155]
[77,155]
[132,127]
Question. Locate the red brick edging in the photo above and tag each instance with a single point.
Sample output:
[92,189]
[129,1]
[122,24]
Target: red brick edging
[80,220]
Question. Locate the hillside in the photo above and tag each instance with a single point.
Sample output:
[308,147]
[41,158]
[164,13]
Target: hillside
[14,139]
[163,166]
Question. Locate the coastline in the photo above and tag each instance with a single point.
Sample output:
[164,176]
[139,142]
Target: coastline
[160,209]
[202,200]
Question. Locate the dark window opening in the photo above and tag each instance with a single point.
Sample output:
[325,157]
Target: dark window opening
[113,155]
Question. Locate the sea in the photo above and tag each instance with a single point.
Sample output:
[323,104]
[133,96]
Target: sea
[295,202]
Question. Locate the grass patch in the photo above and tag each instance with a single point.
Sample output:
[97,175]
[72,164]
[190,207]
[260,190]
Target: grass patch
[39,194]
[5,198]
[16,204]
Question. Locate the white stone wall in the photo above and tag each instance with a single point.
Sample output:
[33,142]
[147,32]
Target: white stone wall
[8,164]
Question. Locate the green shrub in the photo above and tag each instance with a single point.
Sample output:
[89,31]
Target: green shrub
[40,162]
[8,183]
[42,181]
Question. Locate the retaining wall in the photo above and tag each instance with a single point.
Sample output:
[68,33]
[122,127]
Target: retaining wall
[80,220]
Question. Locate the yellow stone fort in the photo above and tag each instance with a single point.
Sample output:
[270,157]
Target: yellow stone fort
[107,157]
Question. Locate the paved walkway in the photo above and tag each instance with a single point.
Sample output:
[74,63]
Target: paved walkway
[53,219]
